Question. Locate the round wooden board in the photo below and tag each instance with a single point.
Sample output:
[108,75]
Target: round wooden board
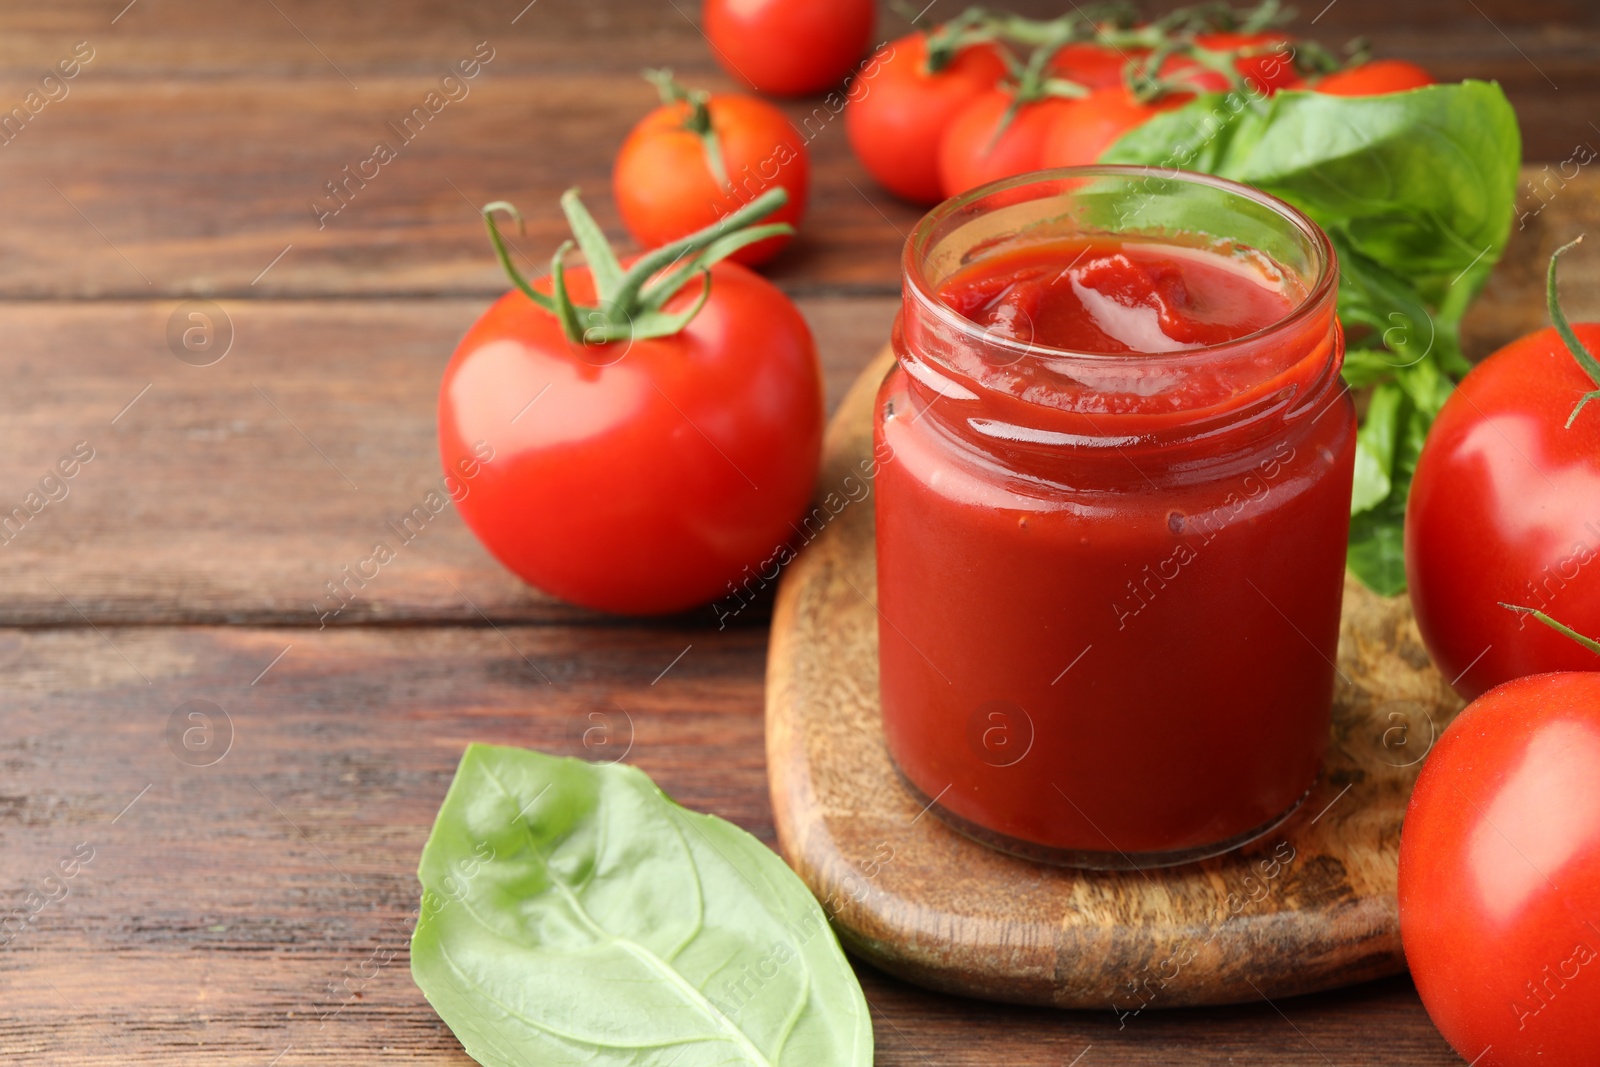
[1310,906]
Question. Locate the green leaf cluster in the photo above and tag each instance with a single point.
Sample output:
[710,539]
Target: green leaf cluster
[1417,192]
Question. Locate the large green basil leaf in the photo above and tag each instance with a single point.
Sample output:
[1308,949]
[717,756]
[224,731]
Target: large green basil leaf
[574,914]
[1416,191]
[1421,182]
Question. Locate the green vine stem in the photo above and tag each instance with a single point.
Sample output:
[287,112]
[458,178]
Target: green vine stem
[942,43]
[629,302]
[697,121]
[1587,642]
[1115,26]
[1558,319]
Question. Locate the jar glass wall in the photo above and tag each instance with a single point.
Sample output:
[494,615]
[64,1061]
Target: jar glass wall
[1109,582]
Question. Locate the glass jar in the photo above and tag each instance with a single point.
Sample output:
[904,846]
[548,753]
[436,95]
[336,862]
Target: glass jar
[1109,584]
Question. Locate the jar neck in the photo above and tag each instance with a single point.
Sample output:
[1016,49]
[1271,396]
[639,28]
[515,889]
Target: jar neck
[1049,414]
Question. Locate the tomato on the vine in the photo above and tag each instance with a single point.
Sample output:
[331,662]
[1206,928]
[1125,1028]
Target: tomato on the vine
[1499,886]
[989,139]
[896,121]
[1092,66]
[786,47]
[1505,507]
[1376,78]
[630,437]
[1268,62]
[701,156]
[1085,128]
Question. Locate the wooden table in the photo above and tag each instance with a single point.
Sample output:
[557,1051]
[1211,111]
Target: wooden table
[252,910]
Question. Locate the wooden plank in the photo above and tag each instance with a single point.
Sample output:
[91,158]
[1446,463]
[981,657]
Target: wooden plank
[188,153]
[223,901]
[234,492]
[205,503]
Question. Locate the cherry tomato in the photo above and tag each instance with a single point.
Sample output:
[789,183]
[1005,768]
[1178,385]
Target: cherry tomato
[1500,876]
[663,180]
[788,47]
[1084,129]
[975,150]
[1268,68]
[900,112]
[1091,65]
[637,476]
[1375,79]
[1505,507]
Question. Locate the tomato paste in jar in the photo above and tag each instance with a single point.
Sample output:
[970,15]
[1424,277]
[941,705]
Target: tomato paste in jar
[1112,514]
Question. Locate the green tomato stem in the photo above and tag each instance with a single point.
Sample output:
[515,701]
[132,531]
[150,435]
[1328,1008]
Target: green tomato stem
[1587,642]
[630,302]
[697,121]
[1558,319]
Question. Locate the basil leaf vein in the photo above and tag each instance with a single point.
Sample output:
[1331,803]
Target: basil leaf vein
[572,913]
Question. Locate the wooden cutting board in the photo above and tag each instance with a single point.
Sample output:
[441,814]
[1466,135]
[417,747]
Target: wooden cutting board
[1308,907]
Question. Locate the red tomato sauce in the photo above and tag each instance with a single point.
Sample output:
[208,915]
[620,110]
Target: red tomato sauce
[1110,568]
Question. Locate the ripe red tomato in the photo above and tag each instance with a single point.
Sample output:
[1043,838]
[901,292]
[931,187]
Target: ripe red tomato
[638,477]
[1500,876]
[1375,79]
[1505,507]
[900,111]
[971,153]
[663,180]
[785,47]
[1268,68]
[1091,65]
[1085,128]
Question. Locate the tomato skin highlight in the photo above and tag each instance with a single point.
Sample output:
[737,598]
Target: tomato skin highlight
[788,48]
[1084,129]
[663,182]
[1500,875]
[646,485]
[1377,78]
[1505,507]
[896,124]
[970,154]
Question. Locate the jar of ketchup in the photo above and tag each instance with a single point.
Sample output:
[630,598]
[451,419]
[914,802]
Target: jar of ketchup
[1112,506]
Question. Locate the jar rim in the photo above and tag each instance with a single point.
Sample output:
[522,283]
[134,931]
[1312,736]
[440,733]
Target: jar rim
[914,255]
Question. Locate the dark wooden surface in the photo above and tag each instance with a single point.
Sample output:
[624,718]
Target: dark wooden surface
[222,905]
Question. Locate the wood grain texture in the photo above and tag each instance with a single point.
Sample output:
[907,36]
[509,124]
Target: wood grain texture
[235,492]
[1309,906]
[205,503]
[196,141]
[236,909]
[221,906]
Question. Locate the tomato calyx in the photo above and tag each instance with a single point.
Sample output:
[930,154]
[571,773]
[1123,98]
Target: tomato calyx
[1559,627]
[1558,319]
[941,44]
[1033,82]
[629,303]
[697,120]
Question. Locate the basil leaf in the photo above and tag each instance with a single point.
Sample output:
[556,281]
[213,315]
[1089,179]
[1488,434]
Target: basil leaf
[1375,447]
[1420,182]
[574,914]
[1377,547]
[1377,535]
[1416,190]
